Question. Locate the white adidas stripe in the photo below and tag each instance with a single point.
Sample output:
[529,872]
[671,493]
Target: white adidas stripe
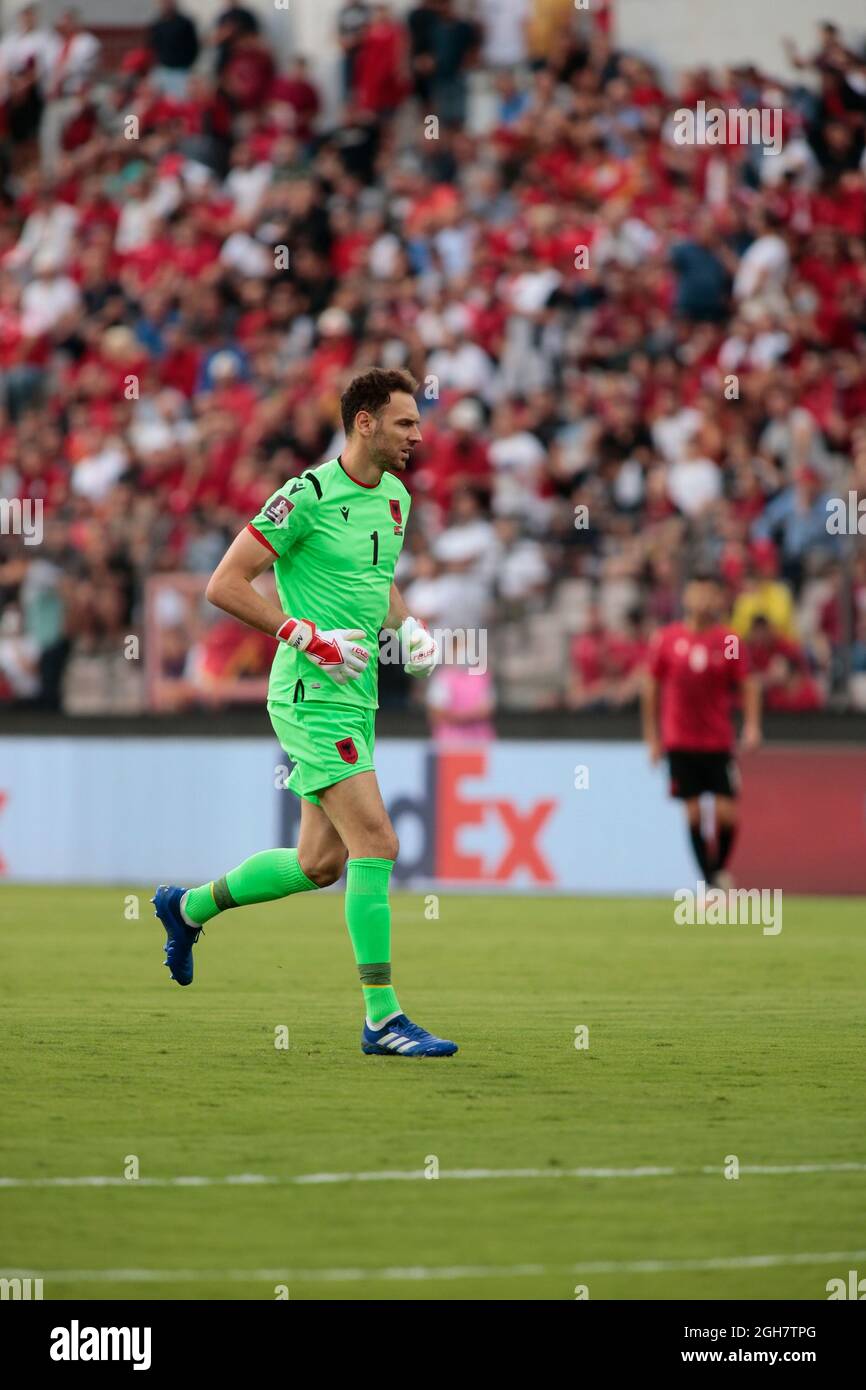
[398,1043]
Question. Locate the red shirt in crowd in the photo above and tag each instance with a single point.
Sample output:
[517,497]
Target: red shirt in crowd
[700,674]
[249,74]
[380,66]
[448,462]
[599,656]
[300,94]
[795,688]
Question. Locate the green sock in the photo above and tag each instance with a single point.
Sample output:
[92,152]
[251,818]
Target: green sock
[271,874]
[368,917]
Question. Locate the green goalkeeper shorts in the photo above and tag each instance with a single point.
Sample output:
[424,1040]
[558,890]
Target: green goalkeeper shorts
[326,742]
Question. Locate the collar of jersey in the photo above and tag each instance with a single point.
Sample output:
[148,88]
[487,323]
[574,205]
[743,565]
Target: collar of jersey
[356,481]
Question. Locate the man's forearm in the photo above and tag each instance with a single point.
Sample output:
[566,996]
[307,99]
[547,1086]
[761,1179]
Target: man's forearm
[397,610]
[236,595]
[650,710]
[752,702]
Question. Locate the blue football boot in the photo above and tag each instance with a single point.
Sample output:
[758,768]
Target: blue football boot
[400,1037]
[180,938]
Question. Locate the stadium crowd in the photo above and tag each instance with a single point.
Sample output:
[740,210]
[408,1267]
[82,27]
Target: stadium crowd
[635,355]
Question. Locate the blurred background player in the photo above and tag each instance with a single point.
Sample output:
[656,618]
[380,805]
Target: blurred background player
[697,670]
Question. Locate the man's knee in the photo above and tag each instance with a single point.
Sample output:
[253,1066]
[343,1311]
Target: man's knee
[390,844]
[376,842]
[324,869]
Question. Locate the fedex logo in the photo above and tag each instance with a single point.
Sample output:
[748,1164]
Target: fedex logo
[440,826]
[459,808]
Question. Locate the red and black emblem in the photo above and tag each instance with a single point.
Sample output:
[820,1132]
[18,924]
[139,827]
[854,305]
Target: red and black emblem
[396,514]
[347,750]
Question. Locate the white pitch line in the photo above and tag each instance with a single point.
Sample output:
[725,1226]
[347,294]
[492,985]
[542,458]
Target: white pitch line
[422,1272]
[419,1174]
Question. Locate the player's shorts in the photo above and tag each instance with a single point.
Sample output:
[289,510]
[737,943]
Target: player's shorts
[326,742]
[693,773]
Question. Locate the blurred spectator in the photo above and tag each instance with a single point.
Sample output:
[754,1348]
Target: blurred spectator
[606,667]
[173,39]
[229,651]
[548,27]
[71,71]
[781,666]
[694,482]
[451,459]
[295,101]
[27,55]
[380,72]
[50,303]
[763,268]
[19,659]
[442,46]
[504,32]
[234,23]
[460,704]
[352,22]
[248,71]
[797,519]
[518,564]
[27,44]
[763,595]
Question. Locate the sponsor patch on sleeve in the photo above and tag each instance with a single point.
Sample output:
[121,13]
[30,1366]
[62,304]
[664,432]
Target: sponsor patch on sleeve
[278,509]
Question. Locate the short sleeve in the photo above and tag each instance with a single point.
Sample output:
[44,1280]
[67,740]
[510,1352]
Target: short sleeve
[286,517]
[739,660]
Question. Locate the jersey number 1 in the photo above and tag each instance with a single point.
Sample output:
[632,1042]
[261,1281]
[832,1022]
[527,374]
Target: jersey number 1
[374,537]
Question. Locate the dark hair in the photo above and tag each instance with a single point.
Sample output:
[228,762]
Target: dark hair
[372,391]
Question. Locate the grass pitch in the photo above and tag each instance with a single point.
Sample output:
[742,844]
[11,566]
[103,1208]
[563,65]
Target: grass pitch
[704,1042]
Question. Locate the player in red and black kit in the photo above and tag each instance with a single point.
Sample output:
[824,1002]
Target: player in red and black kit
[697,669]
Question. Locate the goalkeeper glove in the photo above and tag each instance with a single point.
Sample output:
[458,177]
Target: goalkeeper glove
[335,651]
[422,649]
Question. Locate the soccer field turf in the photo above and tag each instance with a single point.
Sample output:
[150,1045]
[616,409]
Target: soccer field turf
[704,1042]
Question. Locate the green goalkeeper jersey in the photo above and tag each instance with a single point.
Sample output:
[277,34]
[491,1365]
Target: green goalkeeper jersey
[337,542]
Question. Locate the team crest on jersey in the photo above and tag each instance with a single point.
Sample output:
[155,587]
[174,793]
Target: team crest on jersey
[347,750]
[277,510]
[396,515]
[698,658]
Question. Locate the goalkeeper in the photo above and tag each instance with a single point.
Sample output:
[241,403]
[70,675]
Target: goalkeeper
[333,536]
